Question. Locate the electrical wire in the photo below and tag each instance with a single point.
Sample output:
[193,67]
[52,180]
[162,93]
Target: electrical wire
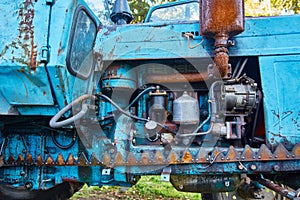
[131,115]
[139,96]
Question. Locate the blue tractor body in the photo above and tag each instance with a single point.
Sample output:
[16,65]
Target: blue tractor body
[81,102]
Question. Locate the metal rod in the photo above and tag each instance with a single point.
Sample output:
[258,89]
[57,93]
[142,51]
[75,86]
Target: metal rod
[290,194]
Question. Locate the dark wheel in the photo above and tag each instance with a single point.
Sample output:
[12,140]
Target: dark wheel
[59,192]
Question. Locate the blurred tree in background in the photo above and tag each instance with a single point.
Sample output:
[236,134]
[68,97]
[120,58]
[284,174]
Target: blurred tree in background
[140,8]
[271,7]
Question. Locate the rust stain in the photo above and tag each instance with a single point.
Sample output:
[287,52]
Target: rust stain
[26,33]
[131,160]
[59,49]
[175,78]
[29,159]
[119,159]
[20,159]
[60,159]
[70,160]
[49,161]
[231,155]
[145,158]
[172,158]
[94,160]
[264,153]
[296,150]
[201,156]
[106,159]
[281,152]
[81,160]
[247,154]
[159,158]
[187,158]
[39,160]
[11,160]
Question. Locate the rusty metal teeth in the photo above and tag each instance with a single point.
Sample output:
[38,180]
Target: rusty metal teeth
[264,153]
[247,154]
[119,159]
[11,160]
[281,152]
[94,161]
[82,160]
[296,151]
[201,156]
[49,160]
[131,159]
[60,160]
[231,155]
[20,160]
[172,158]
[106,159]
[70,160]
[29,159]
[187,157]
[145,158]
[39,160]
[159,158]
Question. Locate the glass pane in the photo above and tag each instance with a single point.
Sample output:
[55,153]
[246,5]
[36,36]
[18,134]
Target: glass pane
[81,51]
[182,12]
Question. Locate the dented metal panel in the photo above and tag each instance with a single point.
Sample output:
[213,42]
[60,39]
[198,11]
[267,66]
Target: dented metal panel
[281,86]
[24,78]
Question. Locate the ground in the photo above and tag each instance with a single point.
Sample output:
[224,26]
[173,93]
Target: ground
[147,188]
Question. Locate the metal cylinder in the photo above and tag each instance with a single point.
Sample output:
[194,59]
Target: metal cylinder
[205,183]
[221,17]
[120,76]
[186,110]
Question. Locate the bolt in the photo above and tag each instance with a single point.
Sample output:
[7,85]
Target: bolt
[240,167]
[276,168]
[253,167]
[112,151]
[227,183]
[22,173]
[28,185]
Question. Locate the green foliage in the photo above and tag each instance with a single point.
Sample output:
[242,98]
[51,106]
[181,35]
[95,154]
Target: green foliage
[140,8]
[148,187]
[271,7]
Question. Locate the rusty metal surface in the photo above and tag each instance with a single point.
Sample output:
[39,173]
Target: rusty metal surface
[253,158]
[20,50]
[177,78]
[221,17]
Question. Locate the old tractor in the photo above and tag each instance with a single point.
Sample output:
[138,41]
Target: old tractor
[198,94]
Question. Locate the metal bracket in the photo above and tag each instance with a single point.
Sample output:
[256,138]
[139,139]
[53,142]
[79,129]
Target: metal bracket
[45,54]
[165,175]
[106,172]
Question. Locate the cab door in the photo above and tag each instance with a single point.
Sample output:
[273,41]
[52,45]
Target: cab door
[73,31]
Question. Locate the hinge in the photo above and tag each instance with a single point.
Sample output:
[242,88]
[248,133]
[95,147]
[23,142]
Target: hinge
[50,2]
[45,54]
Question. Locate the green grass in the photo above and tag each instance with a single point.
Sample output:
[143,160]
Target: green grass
[148,187]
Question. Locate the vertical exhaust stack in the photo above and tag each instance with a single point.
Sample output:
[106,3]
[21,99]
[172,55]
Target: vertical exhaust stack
[121,13]
[221,19]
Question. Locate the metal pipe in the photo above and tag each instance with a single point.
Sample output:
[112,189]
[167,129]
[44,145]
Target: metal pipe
[290,194]
[177,78]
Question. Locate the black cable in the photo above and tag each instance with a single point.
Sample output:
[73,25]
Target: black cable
[131,115]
